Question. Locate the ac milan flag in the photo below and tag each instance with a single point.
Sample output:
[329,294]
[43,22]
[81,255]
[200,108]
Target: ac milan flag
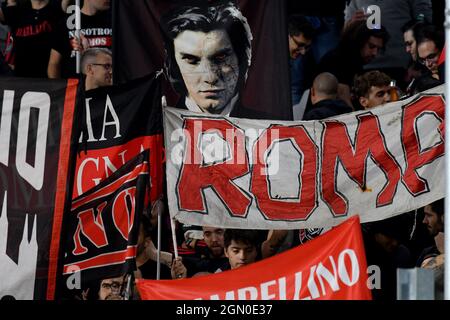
[119,122]
[37,142]
[247,41]
[330,267]
[102,227]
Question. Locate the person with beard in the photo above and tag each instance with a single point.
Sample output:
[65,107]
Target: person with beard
[434,221]
[209,261]
[359,45]
[434,256]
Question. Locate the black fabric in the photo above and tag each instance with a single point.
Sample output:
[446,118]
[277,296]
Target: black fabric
[317,7]
[119,122]
[327,108]
[138,49]
[203,264]
[148,270]
[32,31]
[425,82]
[97,29]
[5,70]
[103,224]
[429,252]
[29,207]
[343,64]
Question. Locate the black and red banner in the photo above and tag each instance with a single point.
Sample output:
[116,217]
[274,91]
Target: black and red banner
[119,123]
[138,49]
[37,143]
[103,225]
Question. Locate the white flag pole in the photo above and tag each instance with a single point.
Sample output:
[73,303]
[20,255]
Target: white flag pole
[77,34]
[447,154]
[158,256]
[174,237]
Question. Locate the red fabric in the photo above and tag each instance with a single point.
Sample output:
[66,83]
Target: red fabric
[320,269]
[442,57]
[64,152]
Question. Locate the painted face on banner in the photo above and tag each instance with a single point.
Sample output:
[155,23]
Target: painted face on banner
[209,67]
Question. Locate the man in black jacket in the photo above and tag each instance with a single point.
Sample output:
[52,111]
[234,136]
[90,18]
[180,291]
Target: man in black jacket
[324,98]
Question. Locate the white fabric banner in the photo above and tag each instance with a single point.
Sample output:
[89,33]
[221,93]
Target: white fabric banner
[262,174]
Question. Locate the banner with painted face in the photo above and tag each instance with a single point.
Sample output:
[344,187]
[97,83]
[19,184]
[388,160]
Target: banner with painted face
[258,174]
[330,267]
[37,140]
[216,54]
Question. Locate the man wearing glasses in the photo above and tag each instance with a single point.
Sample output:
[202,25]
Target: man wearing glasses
[301,33]
[430,43]
[110,289]
[96,64]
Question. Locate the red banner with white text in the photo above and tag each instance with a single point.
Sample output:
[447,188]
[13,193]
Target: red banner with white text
[330,267]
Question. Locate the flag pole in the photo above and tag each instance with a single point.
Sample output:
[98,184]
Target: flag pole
[158,256]
[77,34]
[174,237]
[447,154]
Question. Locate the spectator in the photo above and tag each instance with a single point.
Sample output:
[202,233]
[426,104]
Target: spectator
[324,98]
[111,289]
[430,43]
[241,247]
[33,26]
[96,31]
[434,220]
[358,46]
[301,34]
[410,30]
[434,256]
[96,64]
[415,70]
[209,261]
[327,17]
[146,256]
[393,15]
[372,89]
[385,249]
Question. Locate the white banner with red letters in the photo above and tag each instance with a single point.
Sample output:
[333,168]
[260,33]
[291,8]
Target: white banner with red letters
[262,174]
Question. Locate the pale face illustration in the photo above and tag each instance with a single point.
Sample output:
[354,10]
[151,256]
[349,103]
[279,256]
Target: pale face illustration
[209,67]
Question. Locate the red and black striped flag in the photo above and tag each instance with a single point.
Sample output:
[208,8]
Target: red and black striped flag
[103,225]
[119,122]
[37,144]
